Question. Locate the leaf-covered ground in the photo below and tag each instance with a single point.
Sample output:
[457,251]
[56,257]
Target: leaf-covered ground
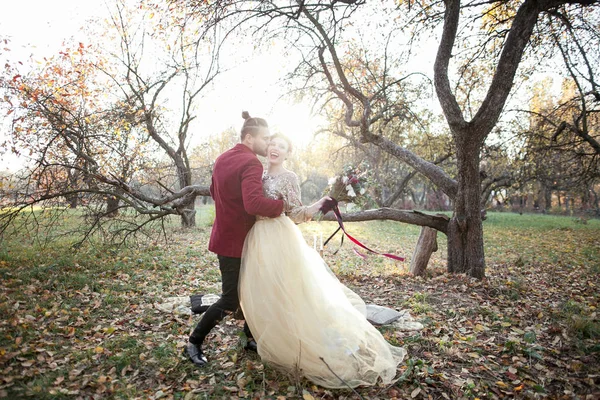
[84,325]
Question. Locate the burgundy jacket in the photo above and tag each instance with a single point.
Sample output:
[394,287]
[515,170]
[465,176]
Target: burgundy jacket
[238,194]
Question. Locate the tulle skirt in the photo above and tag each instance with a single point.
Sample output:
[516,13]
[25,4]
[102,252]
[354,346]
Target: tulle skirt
[303,318]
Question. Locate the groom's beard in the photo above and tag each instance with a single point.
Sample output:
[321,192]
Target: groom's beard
[259,150]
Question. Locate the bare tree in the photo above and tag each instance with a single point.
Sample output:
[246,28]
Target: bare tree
[144,93]
[562,134]
[504,31]
[94,125]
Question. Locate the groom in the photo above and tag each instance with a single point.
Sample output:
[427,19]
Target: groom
[238,194]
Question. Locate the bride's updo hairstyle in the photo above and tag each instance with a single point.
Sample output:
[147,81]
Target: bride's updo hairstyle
[251,125]
[287,139]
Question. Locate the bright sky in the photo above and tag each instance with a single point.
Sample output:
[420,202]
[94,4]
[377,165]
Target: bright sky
[41,29]
[38,28]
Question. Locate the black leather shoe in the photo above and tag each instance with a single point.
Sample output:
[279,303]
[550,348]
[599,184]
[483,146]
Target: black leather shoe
[195,354]
[251,345]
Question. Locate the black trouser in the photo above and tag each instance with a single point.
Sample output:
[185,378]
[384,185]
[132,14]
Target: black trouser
[227,304]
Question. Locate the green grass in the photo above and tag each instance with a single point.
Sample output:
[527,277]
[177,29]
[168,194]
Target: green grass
[580,321]
[95,307]
[537,221]
[508,237]
[531,238]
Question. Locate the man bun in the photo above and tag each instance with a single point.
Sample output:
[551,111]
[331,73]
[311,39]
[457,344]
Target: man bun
[251,125]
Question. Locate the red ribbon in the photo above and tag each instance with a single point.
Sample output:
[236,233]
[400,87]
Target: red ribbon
[332,205]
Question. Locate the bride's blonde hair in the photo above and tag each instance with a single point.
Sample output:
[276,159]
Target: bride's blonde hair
[284,137]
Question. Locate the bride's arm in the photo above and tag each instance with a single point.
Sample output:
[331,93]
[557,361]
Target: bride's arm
[293,205]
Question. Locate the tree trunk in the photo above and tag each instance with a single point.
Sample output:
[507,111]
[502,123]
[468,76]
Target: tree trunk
[188,218]
[72,200]
[596,202]
[465,229]
[547,199]
[112,206]
[188,214]
[426,245]
[73,178]
[586,200]
[187,209]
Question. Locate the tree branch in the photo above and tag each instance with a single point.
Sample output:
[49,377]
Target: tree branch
[447,99]
[438,222]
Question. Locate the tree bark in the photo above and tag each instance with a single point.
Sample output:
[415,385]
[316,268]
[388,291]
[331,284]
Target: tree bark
[596,202]
[188,216]
[113,203]
[438,221]
[547,198]
[188,209]
[465,229]
[426,245]
[559,200]
[72,200]
[112,206]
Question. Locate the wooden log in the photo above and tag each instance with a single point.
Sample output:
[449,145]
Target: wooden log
[426,245]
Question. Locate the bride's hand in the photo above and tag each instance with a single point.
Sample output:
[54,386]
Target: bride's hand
[323,200]
[317,206]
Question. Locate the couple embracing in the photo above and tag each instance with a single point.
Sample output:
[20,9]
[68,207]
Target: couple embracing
[299,316]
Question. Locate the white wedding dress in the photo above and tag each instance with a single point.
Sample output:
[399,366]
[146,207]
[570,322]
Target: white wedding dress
[303,318]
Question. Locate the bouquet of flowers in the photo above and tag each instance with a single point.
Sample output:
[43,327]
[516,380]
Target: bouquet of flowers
[350,186]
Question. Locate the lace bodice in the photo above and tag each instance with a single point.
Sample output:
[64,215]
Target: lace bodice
[285,186]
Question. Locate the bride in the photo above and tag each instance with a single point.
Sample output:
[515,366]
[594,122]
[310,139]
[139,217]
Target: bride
[303,319]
